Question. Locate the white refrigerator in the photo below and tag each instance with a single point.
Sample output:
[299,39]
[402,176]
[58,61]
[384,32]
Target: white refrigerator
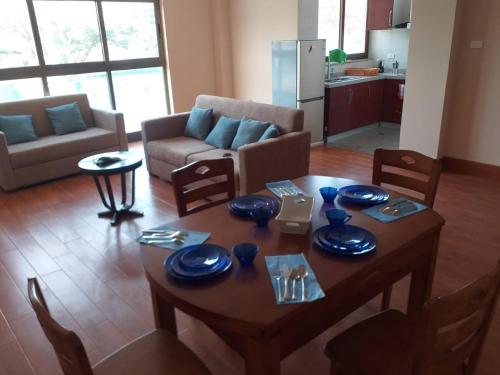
[298,69]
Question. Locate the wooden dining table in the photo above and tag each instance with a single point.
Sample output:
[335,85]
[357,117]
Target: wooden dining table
[240,304]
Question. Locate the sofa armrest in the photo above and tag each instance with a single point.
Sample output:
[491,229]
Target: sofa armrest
[282,158]
[7,181]
[164,127]
[112,121]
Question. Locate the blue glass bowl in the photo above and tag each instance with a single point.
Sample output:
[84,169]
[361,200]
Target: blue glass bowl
[337,217]
[328,194]
[246,253]
[261,215]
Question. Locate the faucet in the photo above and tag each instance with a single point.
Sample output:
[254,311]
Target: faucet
[329,71]
[395,67]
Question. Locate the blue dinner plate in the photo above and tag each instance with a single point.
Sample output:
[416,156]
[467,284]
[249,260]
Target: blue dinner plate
[345,240]
[200,256]
[363,194]
[243,206]
[175,269]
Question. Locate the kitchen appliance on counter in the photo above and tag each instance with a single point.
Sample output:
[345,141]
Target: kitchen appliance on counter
[298,68]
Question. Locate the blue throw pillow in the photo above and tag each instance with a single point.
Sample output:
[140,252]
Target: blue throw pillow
[199,123]
[18,128]
[223,133]
[271,132]
[249,131]
[66,119]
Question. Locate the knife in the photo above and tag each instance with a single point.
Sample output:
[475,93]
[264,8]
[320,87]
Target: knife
[286,273]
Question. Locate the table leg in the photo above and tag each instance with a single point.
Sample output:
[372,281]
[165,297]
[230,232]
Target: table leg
[111,196]
[113,212]
[421,281]
[164,314]
[124,188]
[101,193]
[262,356]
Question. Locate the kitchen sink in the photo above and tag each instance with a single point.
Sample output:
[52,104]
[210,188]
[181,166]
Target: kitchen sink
[342,79]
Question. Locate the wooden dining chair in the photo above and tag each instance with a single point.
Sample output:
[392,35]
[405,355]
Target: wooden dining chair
[407,169]
[203,179]
[447,339]
[410,170]
[157,352]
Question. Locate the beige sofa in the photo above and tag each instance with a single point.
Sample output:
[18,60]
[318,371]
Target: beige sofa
[53,156]
[285,157]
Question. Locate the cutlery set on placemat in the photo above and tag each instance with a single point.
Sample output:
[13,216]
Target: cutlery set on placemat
[292,278]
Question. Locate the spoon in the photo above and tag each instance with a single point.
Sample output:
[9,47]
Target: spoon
[302,270]
[294,276]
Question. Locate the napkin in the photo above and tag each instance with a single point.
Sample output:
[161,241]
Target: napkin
[190,238]
[312,287]
[375,211]
[281,188]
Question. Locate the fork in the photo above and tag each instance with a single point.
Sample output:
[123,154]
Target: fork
[277,276]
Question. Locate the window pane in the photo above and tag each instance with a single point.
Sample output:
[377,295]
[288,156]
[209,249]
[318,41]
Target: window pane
[328,23]
[140,95]
[95,85]
[69,31]
[130,30]
[17,47]
[355,26]
[21,89]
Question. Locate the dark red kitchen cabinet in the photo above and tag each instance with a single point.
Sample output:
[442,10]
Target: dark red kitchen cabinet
[375,102]
[392,108]
[360,103]
[380,14]
[339,113]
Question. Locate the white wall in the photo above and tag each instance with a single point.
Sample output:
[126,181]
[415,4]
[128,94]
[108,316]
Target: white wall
[308,19]
[254,25]
[188,48]
[473,116]
[394,41]
[427,75]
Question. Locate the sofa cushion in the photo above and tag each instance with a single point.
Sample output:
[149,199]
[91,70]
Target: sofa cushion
[199,123]
[176,150]
[223,133]
[18,129]
[54,147]
[66,119]
[271,132]
[217,154]
[249,131]
[36,108]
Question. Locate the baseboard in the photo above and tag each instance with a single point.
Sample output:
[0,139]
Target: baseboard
[473,168]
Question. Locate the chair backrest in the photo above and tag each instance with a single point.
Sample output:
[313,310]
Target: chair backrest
[454,327]
[67,345]
[424,181]
[201,180]
[36,108]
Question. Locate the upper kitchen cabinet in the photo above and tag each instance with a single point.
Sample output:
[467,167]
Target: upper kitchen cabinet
[388,14]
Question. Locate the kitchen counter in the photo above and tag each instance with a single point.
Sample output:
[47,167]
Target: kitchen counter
[362,79]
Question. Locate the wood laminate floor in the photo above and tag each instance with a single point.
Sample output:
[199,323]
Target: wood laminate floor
[93,280]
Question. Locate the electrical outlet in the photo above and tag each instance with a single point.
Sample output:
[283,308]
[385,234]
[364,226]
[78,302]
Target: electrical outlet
[476,44]
[391,56]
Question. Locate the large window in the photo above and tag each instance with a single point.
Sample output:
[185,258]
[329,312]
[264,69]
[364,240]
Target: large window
[110,50]
[343,24]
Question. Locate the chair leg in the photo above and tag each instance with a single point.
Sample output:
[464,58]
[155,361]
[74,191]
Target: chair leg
[386,299]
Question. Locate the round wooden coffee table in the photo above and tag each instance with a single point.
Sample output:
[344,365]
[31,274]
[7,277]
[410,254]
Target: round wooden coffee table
[128,162]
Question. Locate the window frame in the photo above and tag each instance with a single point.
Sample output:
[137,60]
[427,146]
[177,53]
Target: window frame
[43,70]
[354,56]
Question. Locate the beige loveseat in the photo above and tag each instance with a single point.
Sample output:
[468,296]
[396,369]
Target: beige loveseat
[53,156]
[285,157]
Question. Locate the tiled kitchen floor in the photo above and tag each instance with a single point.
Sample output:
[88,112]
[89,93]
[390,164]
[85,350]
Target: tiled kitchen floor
[368,139]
